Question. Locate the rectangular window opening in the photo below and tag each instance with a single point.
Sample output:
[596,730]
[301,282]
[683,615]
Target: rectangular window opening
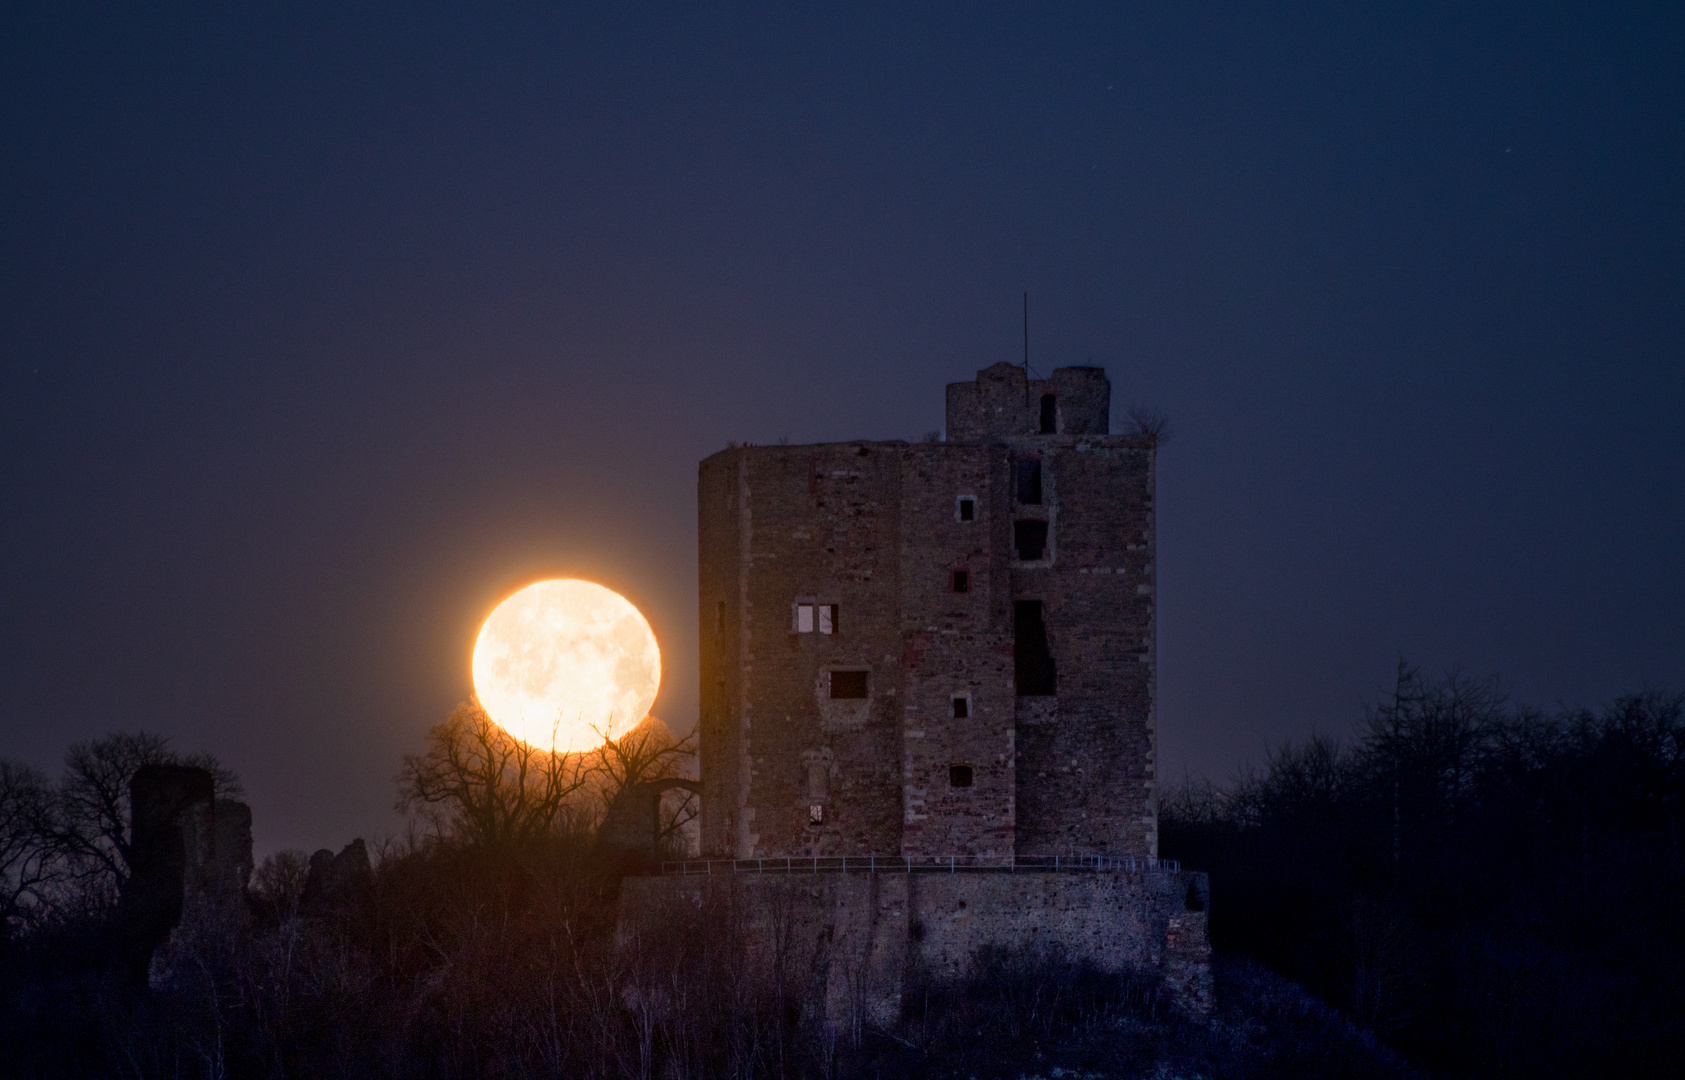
[959,776]
[961,581]
[1049,414]
[1030,538]
[962,707]
[827,618]
[848,684]
[1032,661]
[719,618]
[967,508]
[816,814]
[1028,476]
[804,618]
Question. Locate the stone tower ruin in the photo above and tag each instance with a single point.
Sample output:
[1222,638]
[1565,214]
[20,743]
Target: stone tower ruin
[934,649]
[927,721]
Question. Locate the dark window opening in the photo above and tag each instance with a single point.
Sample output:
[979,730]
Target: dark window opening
[719,618]
[1049,414]
[1032,661]
[1030,538]
[848,684]
[1029,481]
[959,776]
[968,509]
[962,708]
[961,581]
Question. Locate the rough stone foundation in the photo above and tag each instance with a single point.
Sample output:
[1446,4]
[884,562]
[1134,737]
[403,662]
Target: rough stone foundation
[857,939]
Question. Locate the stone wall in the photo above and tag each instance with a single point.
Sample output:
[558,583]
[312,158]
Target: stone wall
[875,533]
[857,940]
[191,857]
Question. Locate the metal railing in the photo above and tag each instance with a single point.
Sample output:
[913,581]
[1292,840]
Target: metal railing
[923,864]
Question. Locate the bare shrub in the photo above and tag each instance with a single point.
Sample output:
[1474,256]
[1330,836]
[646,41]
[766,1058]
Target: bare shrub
[1150,422]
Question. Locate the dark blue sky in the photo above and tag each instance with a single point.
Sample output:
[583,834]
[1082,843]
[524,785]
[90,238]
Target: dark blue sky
[322,327]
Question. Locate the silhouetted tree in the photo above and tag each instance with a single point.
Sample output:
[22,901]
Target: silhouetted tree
[28,848]
[647,753]
[93,801]
[1493,888]
[477,783]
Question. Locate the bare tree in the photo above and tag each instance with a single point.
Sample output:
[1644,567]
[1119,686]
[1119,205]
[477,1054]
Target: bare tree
[482,785]
[646,754]
[1428,742]
[93,797]
[28,862]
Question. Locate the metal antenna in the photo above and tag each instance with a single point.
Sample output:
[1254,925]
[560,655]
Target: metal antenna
[1026,349]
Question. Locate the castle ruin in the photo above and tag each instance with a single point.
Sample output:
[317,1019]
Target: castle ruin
[939,648]
[927,720]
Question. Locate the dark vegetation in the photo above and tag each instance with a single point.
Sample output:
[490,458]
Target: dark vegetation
[1494,890]
[1485,889]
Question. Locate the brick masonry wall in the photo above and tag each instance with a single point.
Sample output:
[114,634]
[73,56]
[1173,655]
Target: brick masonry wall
[873,528]
[956,644]
[1085,769]
[816,524]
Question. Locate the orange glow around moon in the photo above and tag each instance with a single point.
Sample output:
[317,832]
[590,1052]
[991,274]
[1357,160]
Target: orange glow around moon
[561,657]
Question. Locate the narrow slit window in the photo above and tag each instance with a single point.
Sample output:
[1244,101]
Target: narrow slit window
[1049,414]
[719,618]
[1030,538]
[804,618]
[827,618]
[848,684]
[967,508]
[1032,660]
[962,707]
[1028,481]
[959,776]
[960,580]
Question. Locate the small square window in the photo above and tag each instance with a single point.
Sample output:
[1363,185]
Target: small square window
[959,776]
[961,580]
[967,508]
[962,707]
[804,618]
[848,684]
[827,618]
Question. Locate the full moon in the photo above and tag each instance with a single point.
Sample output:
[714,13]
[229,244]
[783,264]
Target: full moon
[561,658]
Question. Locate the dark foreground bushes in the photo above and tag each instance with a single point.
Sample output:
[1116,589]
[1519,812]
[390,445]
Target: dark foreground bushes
[1496,891]
[487,963]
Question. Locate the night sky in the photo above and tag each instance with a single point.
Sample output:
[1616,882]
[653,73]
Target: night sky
[324,327]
